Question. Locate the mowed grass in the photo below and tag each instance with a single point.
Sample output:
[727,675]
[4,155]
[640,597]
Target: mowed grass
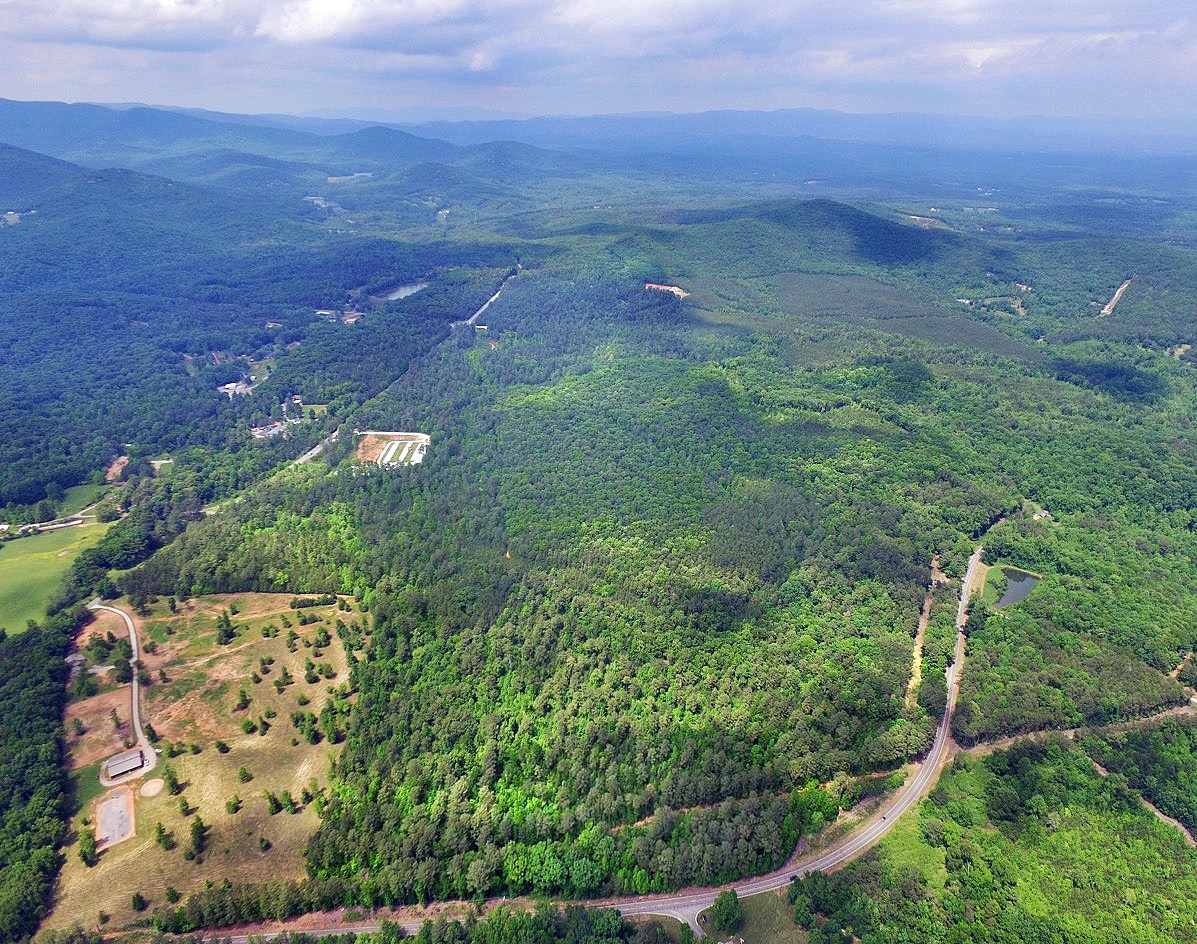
[32,568]
[904,846]
[78,497]
[767,920]
[85,783]
[193,709]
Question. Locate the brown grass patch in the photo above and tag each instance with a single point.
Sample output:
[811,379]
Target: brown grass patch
[370,448]
[195,707]
[99,739]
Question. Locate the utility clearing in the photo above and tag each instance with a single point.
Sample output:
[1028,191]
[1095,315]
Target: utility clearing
[1113,302]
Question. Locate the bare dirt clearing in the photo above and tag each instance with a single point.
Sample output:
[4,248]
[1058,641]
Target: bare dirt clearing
[116,469]
[100,737]
[151,788]
[938,577]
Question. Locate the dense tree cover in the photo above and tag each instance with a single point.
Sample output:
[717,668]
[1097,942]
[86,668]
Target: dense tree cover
[654,575]
[34,791]
[725,912]
[546,926]
[939,650]
[224,904]
[661,568]
[127,299]
[1114,611]
[1160,762]
[1030,844]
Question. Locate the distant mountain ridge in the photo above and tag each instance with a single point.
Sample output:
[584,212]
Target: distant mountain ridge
[816,153]
[24,174]
[136,137]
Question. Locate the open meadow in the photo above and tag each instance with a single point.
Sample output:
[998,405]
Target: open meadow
[248,729]
[32,568]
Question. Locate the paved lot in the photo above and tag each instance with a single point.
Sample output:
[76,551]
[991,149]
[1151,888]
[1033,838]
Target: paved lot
[114,818]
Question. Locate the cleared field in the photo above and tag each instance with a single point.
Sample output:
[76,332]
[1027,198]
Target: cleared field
[767,920]
[31,569]
[191,711]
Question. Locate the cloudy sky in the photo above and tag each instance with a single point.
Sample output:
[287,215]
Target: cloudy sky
[397,58]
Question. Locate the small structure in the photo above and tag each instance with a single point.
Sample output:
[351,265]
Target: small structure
[237,388]
[125,763]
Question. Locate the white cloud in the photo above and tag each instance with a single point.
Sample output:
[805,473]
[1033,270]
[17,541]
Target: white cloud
[570,55]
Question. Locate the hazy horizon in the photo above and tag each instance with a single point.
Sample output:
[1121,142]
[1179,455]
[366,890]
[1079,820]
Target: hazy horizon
[456,59]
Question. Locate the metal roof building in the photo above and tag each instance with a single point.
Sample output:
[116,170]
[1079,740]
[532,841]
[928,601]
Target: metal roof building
[123,763]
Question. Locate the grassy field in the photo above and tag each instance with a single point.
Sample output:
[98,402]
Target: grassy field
[193,709]
[86,784]
[993,585]
[79,497]
[767,920]
[995,582]
[31,569]
[904,846]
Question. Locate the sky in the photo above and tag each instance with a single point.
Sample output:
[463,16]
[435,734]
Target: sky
[395,59]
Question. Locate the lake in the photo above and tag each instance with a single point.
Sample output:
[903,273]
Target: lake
[402,291]
[1019,585]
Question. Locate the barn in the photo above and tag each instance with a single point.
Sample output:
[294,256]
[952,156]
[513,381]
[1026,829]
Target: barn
[126,762]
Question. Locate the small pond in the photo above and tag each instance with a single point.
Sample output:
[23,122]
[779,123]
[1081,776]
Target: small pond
[402,291]
[1019,585]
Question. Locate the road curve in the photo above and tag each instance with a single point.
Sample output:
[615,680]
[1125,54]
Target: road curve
[686,906]
[147,749]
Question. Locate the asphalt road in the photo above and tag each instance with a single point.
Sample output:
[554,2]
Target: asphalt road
[147,749]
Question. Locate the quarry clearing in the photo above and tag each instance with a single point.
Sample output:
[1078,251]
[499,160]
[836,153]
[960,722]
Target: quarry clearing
[1113,302]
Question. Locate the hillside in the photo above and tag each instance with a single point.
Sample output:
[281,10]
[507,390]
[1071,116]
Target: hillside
[645,615]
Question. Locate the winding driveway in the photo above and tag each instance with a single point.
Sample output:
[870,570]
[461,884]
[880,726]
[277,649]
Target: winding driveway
[147,749]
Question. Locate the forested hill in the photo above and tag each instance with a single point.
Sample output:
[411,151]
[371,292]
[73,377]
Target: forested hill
[98,135]
[644,615]
[25,174]
[129,298]
[660,569]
